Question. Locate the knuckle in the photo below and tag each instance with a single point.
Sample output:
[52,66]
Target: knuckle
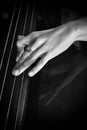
[35,34]
[36,43]
[18,44]
[42,60]
[39,40]
[32,34]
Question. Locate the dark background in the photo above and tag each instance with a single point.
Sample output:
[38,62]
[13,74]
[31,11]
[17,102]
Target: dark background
[69,107]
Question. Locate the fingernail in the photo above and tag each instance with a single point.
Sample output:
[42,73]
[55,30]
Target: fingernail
[15,72]
[17,59]
[30,74]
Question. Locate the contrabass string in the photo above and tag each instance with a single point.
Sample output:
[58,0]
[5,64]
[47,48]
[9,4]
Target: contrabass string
[14,77]
[6,42]
[10,53]
[22,74]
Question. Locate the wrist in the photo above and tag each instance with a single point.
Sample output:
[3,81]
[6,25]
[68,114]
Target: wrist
[75,30]
[80,27]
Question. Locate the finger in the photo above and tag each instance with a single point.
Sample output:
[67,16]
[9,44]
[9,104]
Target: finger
[34,54]
[24,56]
[20,67]
[21,57]
[20,49]
[23,42]
[19,53]
[38,67]
[37,44]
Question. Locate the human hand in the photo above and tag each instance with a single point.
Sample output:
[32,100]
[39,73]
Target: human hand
[45,44]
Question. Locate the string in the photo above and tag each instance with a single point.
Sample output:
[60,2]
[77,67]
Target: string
[10,54]
[9,106]
[23,74]
[13,80]
[10,26]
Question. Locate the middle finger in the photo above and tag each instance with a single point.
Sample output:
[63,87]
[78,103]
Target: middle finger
[20,67]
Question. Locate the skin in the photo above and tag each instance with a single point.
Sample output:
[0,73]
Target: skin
[47,44]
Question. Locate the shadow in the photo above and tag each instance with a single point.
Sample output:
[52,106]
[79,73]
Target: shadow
[61,75]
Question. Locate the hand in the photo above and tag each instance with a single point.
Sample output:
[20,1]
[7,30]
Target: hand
[45,44]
